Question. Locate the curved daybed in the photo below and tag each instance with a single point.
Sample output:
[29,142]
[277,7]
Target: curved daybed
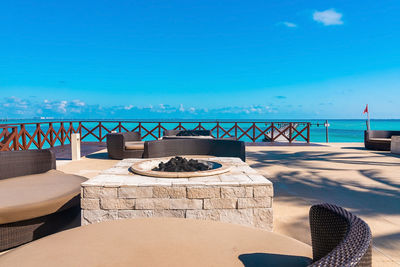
[338,239]
[35,199]
[379,140]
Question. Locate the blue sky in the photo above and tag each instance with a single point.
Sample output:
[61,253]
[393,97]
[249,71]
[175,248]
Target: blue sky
[200,59]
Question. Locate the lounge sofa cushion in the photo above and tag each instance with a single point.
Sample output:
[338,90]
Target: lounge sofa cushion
[31,196]
[134,145]
[161,242]
[380,139]
[188,137]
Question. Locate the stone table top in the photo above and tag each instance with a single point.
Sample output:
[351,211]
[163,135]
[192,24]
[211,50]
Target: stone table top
[241,174]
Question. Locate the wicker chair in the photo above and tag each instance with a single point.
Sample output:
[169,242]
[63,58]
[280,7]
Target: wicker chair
[339,238]
[211,147]
[124,145]
[35,199]
[378,140]
[187,133]
[193,134]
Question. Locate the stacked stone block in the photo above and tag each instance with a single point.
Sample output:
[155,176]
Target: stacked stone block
[247,203]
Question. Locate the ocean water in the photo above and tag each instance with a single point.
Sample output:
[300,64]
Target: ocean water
[338,131]
[348,130]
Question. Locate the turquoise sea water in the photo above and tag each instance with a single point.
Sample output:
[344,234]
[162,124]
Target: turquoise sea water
[349,130]
[338,131]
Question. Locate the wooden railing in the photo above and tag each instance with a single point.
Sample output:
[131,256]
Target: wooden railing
[40,135]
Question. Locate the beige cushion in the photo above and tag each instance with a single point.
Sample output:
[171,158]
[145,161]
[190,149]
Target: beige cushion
[134,145]
[32,196]
[381,139]
[161,242]
[188,137]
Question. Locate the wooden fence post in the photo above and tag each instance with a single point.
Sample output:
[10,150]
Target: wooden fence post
[100,132]
[62,132]
[272,131]
[39,135]
[51,134]
[16,139]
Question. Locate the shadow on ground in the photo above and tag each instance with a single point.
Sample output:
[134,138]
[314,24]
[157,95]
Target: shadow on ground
[302,159]
[367,184]
[276,260]
[100,155]
[313,185]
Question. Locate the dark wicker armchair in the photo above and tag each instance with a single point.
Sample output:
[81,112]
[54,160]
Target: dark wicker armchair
[193,134]
[379,140]
[35,199]
[339,238]
[124,145]
[211,147]
[187,133]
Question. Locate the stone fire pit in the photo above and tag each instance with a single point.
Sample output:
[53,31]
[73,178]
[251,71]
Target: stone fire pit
[234,194]
[145,168]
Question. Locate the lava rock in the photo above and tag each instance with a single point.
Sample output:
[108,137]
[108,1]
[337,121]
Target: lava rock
[179,164]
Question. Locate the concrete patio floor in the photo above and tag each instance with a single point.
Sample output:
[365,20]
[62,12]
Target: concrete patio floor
[365,182]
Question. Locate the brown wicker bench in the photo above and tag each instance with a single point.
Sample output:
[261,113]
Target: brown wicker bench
[211,147]
[193,134]
[187,133]
[379,140]
[35,199]
[124,145]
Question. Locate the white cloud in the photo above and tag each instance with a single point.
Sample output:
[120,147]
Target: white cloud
[289,24]
[28,108]
[128,107]
[62,106]
[78,103]
[328,17]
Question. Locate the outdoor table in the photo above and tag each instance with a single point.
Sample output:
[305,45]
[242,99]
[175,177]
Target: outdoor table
[161,242]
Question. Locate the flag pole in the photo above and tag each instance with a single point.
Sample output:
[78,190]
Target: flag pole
[368,121]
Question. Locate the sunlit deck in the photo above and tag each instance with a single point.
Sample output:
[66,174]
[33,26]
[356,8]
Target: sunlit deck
[365,182]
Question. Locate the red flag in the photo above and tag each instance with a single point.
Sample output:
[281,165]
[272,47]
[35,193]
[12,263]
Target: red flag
[366,109]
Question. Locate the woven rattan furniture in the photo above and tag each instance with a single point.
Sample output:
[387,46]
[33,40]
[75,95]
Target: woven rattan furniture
[339,238]
[187,133]
[193,134]
[378,140]
[35,199]
[210,147]
[124,145]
